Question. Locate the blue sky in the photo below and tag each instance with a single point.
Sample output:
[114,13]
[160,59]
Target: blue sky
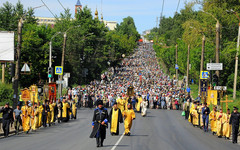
[144,12]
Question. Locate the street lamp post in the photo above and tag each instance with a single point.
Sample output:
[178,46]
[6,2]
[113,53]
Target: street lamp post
[50,52]
[217,40]
[63,54]
[18,57]
[217,45]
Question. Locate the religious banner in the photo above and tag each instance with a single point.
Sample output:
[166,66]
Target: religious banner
[25,94]
[45,92]
[34,93]
[130,91]
[212,97]
[52,92]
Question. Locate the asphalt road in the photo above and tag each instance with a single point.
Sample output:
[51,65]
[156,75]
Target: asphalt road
[160,130]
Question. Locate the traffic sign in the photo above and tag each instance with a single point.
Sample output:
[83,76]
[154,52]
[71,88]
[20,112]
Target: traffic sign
[204,75]
[25,68]
[214,66]
[60,82]
[217,87]
[224,88]
[58,70]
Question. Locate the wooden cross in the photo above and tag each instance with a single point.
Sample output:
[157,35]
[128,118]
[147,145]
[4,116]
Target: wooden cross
[226,101]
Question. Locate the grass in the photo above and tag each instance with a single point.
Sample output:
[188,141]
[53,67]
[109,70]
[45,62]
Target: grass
[236,102]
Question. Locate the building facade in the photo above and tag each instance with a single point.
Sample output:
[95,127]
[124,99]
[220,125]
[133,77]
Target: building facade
[111,25]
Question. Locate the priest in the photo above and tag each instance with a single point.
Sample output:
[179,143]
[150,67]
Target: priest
[128,116]
[213,120]
[115,117]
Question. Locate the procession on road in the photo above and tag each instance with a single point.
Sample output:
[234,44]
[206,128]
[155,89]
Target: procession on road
[89,75]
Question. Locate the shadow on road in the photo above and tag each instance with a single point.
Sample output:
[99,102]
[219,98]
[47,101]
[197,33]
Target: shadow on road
[150,116]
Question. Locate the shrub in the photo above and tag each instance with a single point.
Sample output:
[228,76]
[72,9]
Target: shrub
[6,93]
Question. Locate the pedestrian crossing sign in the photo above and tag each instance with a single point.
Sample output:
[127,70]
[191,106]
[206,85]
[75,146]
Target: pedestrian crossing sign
[204,75]
[58,70]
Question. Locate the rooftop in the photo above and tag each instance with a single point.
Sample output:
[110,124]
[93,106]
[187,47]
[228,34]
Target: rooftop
[78,3]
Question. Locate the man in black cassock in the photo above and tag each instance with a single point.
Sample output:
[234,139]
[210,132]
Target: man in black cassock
[115,116]
[90,101]
[234,121]
[99,123]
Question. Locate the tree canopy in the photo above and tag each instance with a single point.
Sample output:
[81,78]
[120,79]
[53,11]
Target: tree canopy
[188,27]
[90,44]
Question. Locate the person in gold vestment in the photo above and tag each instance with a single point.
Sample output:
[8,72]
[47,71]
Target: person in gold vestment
[26,117]
[128,116]
[115,117]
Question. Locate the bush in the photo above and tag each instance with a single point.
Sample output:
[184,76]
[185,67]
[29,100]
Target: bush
[6,93]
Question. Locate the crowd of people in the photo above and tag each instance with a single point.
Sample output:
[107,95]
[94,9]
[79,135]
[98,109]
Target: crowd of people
[155,90]
[33,116]
[137,84]
[221,124]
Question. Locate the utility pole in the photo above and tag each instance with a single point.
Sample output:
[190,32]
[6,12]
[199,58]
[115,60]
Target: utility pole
[217,45]
[202,61]
[3,73]
[217,40]
[188,66]
[50,58]
[236,64]
[18,58]
[50,52]
[18,61]
[62,63]
[176,63]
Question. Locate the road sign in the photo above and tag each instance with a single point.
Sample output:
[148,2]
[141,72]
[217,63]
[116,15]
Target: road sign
[217,87]
[204,75]
[25,68]
[214,66]
[176,66]
[224,88]
[60,82]
[58,70]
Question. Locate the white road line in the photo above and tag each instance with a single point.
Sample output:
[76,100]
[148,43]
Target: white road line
[113,148]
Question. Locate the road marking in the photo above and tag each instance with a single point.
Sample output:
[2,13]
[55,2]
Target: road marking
[113,148]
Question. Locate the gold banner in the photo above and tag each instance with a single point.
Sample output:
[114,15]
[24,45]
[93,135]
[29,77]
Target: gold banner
[212,97]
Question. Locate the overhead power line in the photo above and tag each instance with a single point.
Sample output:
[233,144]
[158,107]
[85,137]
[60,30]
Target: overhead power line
[61,5]
[178,5]
[161,13]
[49,9]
